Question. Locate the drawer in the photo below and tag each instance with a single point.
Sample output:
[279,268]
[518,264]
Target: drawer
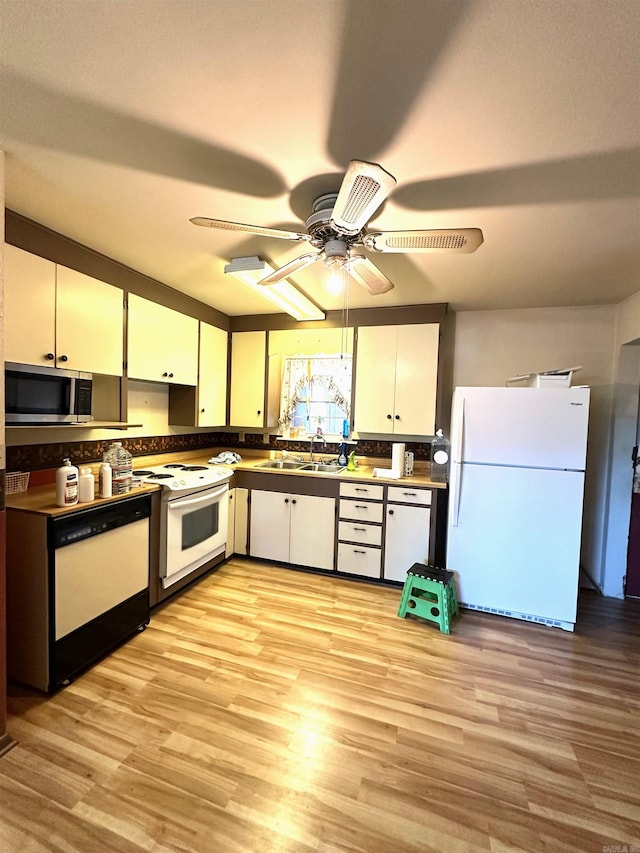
[361,490]
[359,560]
[361,510]
[366,534]
[408,495]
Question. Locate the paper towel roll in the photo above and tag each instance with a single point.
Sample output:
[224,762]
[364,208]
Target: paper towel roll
[389,473]
[397,458]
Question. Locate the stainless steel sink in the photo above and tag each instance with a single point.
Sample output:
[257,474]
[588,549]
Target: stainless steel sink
[281,465]
[323,467]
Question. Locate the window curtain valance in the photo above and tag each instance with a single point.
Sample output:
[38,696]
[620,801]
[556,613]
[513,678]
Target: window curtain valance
[303,373]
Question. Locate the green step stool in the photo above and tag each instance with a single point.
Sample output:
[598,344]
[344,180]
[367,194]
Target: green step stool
[430,592]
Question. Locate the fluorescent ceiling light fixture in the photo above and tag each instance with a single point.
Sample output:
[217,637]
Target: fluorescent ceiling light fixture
[251,270]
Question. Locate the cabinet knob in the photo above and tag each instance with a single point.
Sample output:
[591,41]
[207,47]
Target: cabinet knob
[49,356]
[202,411]
[397,417]
[258,412]
[388,417]
[165,373]
[390,512]
[293,501]
[171,375]
[286,500]
[64,358]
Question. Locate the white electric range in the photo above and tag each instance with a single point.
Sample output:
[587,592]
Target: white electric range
[193,522]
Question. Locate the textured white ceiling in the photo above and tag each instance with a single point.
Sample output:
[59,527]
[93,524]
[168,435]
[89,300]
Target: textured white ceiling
[121,119]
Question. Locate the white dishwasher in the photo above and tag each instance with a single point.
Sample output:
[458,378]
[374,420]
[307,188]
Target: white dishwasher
[89,595]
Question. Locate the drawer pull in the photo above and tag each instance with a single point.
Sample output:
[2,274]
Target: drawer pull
[361,506]
[410,494]
[358,489]
[356,551]
[360,529]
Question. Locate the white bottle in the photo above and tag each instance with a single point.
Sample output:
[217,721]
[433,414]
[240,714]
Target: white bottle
[86,486]
[67,484]
[105,480]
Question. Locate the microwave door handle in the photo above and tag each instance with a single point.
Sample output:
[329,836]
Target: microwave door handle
[179,503]
[71,397]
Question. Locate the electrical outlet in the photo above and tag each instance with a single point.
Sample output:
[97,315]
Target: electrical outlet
[240,436]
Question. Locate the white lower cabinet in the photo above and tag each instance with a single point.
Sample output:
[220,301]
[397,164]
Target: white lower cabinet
[407,532]
[360,529]
[359,560]
[237,528]
[291,528]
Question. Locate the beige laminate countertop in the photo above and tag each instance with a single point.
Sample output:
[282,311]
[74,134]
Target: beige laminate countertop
[42,499]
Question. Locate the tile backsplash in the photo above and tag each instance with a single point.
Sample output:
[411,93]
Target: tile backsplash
[39,457]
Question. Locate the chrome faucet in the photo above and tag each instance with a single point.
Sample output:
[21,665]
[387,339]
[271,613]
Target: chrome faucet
[313,438]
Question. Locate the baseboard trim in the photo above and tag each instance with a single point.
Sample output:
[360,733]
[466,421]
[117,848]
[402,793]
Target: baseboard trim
[6,743]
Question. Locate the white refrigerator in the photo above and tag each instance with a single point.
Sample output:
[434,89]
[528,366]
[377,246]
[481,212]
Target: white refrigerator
[516,487]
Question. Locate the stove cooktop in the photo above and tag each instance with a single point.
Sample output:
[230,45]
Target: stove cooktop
[177,476]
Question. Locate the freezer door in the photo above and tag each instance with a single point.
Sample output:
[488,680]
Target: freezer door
[529,427]
[516,544]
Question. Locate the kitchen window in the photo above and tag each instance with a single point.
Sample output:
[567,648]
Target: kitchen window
[316,393]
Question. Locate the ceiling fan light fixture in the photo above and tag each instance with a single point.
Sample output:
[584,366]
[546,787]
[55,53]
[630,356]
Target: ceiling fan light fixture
[250,270]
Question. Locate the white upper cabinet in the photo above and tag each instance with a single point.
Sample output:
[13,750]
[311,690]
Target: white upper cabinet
[396,379]
[162,343]
[212,377]
[248,382]
[30,308]
[59,317]
[89,323]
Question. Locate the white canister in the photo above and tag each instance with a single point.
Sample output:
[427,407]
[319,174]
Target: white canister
[67,484]
[86,486]
[105,480]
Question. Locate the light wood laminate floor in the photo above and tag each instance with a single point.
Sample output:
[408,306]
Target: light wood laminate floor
[271,710]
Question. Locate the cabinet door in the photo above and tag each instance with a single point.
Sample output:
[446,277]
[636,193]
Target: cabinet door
[312,536]
[406,539]
[231,523]
[212,376]
[373,408]
[89,323]
[416,379]
[241,521]
[30,308]
[248,363]
[270,513]
[162,343]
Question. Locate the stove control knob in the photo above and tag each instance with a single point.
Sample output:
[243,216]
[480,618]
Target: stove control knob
[183,482]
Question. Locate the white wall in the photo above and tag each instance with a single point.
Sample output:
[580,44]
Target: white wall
[492,346]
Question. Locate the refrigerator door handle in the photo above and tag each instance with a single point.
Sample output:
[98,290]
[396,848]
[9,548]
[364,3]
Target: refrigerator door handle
[456,487]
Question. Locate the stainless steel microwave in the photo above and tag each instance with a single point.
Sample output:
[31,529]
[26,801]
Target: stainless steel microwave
[46,395]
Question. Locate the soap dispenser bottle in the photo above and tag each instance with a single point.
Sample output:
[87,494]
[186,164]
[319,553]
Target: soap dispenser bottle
[342,456]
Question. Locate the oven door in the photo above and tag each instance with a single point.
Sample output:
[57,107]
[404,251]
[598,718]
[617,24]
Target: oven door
[195,532]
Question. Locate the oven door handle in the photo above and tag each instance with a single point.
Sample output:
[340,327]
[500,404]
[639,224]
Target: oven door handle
[204,497]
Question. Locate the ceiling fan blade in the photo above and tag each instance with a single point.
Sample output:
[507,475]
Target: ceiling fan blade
[289,269]
[452,240]
[252,229]
[368,276]
[364,187]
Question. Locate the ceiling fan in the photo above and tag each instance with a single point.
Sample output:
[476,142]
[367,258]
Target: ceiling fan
[337,230]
